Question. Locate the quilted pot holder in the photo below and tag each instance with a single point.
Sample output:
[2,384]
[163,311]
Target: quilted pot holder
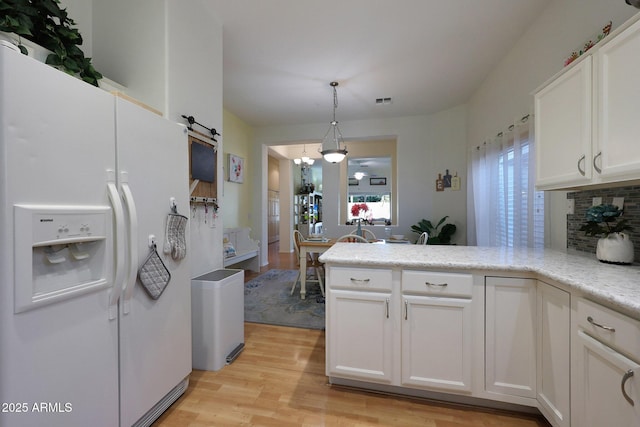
[154,275]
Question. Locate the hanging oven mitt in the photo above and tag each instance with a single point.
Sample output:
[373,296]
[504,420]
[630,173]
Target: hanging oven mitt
[154,275]
[175,241]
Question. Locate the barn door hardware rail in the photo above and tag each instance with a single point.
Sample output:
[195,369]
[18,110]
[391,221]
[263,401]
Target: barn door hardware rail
[191,120]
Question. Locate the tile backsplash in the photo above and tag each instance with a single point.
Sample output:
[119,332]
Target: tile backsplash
[584,199]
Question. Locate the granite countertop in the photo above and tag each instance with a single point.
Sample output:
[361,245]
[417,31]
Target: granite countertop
[615,286]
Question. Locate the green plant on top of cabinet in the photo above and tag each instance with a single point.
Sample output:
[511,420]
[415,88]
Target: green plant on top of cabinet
[45,23]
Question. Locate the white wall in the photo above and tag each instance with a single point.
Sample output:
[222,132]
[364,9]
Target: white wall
[81,12]
[194,87]
[129,47]
[564,26]
[427,145]
[169,56]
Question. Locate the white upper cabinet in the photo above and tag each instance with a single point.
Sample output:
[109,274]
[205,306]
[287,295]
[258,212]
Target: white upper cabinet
[586,124]
[563,129]
[618,139]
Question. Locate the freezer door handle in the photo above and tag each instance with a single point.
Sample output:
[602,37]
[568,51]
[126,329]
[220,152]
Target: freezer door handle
[132,273]
[114,197]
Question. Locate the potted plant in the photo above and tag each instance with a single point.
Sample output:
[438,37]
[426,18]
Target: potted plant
[46,24]
[441,237]
[614,246]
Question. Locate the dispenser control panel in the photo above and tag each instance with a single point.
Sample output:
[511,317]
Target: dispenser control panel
[51,228]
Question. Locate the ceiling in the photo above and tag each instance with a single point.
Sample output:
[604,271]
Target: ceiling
[426,55]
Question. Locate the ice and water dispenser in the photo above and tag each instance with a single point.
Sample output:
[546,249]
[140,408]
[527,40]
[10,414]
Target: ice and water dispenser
[60,252]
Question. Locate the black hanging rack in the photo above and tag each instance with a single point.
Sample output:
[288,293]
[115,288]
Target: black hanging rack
[191,120]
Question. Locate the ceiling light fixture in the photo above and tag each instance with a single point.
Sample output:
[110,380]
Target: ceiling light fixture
[334,155]
[358,175]
[304,158]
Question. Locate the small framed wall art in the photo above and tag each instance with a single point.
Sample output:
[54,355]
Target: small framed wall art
[377,181]
[236,168]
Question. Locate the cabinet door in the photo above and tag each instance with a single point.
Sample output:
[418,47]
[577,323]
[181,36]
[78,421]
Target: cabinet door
[436,343]
[510,336]
[360,332]
[618,65]
[600,381]
[563,123]
[554,337]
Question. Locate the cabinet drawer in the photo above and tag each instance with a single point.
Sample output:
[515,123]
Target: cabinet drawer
[615,330]
[431,283]
[360,278]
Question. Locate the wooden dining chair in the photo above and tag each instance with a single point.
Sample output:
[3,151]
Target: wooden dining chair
[352,238]
[422,240]
[312,262]
[367,234]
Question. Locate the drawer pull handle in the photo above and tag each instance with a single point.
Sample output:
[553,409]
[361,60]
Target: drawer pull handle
[359,281]
[442,285]
[387,303]
[625,377]
[594,323]
[580,160]
[595,166]
[406,309]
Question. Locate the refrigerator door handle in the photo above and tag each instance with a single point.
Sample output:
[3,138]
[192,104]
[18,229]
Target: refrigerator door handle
[129,283]
[114,197]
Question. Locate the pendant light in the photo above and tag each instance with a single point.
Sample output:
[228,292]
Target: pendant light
[333,155]
[305,159]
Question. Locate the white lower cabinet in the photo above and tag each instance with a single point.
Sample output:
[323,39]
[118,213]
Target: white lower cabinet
[606,380]
[510,337]
[361,332]
[436,330]
[602,383]
[575,360]
[436,343]
[360,329]
[427,314]
[553,354]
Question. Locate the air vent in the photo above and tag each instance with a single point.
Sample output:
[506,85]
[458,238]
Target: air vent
[383,101]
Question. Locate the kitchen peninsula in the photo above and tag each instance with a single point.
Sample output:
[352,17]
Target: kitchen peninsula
[487,326]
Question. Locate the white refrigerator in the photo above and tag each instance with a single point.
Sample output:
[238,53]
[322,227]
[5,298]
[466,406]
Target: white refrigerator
[87,182]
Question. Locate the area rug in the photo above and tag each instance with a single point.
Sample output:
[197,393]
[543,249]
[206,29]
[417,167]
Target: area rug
[268,299]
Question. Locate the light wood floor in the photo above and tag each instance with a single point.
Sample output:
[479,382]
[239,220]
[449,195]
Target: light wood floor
[279,380]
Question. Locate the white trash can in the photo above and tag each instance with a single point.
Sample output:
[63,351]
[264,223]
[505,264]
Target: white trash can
[217,318]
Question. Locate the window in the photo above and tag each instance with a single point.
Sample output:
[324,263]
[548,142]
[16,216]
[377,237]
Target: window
[379,206]
[507,209]
[369,176]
